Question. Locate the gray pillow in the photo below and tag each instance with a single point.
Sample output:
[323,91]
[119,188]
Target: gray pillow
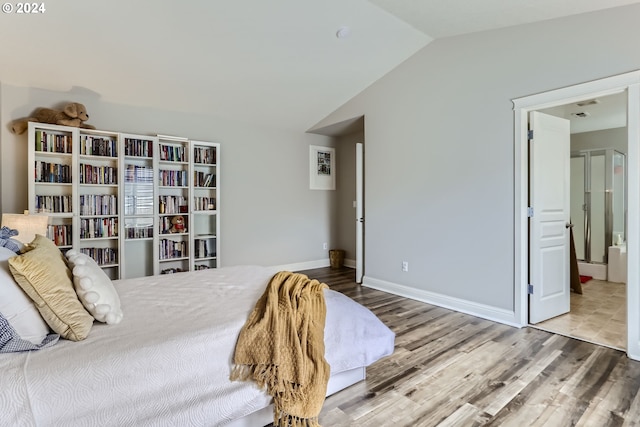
[11,342]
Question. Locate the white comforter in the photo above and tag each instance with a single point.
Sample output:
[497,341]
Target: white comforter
[168,361]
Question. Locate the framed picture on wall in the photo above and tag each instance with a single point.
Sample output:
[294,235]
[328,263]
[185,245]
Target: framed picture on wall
[322,168]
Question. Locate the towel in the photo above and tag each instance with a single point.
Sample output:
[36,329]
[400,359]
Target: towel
[281,347]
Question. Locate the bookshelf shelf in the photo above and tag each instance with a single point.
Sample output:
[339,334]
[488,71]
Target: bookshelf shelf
[183,258]
[172,162]
[139,239]
[53,184]
[57,214]
[52,154]
[97,239]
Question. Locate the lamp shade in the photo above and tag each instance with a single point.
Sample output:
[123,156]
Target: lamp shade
[27,225]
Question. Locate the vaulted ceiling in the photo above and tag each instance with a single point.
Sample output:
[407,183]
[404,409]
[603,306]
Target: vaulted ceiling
[276,63]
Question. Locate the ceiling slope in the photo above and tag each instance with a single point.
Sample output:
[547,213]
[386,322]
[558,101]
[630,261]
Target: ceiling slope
[440,19]
[276,63]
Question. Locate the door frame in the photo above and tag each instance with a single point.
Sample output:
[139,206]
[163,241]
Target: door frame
[359,212]
[629,82]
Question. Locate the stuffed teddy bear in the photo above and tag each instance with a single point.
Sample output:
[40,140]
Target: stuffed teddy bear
[94,288]
[73,114]
[177,225]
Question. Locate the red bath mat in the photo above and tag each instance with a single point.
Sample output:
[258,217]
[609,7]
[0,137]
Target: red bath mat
[585,279]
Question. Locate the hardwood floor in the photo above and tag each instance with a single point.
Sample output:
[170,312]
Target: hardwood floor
[452,369]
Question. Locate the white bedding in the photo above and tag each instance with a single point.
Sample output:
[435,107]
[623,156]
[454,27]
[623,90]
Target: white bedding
[168,361]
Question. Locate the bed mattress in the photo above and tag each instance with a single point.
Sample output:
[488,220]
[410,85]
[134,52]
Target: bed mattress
[168,361]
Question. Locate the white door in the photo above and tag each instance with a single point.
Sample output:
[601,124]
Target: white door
[359,212]
[549,196]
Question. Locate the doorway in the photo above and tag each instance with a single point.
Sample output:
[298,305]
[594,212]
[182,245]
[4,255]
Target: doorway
[348,229]
[596,309]
[629,84]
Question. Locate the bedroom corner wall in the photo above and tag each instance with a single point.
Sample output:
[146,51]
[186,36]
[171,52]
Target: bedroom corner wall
[269,215]
[440,152]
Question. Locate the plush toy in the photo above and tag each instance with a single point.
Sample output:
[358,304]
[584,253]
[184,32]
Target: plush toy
[177,225]
[73,114]
[94,288]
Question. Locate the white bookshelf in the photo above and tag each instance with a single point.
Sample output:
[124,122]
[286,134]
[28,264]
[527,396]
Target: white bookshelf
[113,196]
[97,205]
[53,148]
[204,243]
[139,222]
[173,167]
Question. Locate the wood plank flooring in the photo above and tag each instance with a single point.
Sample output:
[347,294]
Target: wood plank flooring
[452,369]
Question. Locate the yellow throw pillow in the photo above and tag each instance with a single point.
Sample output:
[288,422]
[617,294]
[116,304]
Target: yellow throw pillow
[43,274]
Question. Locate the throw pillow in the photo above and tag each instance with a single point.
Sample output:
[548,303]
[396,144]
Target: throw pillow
[94,288]
[11,342]
[43,274]
[16,307]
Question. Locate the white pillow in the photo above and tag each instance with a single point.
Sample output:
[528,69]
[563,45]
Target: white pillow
[94,288]
[17,307]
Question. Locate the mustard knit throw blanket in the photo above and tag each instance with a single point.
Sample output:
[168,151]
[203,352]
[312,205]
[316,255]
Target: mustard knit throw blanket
[281,347]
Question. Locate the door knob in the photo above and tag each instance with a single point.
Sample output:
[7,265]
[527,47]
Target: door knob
[568,225]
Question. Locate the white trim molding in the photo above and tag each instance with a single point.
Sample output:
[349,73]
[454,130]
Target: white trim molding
[309,265]
[306,265]
[456,304]
[629,83]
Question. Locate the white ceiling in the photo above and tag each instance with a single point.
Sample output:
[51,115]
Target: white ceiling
[276,63]
[605,112]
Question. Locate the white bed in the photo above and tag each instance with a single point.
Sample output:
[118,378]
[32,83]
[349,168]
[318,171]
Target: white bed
[168,361]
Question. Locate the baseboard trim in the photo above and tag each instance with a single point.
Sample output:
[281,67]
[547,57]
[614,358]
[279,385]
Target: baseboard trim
[306,265]
[309,265]
[464,306]
[351,263]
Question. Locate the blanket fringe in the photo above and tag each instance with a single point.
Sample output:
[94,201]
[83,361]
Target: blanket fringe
[266,376]
[281,419]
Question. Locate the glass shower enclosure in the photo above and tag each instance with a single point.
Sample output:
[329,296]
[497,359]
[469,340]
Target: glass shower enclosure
[598,202]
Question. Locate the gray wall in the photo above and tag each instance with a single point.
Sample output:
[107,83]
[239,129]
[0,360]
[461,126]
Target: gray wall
[269,215]
[606,138]
[440,147]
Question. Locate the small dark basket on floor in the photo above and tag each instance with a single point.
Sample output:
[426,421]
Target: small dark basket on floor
[336,258]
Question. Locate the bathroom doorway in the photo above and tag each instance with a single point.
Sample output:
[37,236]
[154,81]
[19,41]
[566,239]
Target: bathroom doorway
[629,84]
[598,217]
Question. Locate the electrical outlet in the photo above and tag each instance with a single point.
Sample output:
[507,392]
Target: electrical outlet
[405,265]
[324,246]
